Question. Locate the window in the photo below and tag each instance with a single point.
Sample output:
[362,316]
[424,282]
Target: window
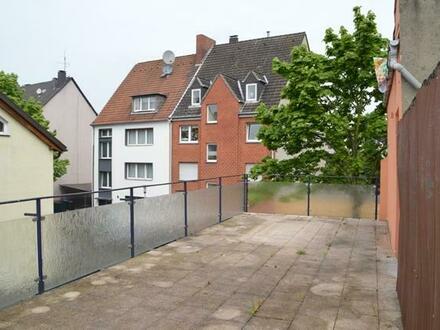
[251,92]
[189,134]
[3,127]
[211,153]
[211,113]
[188,171]
[196,97]
[211,184]
[105,179]
[146,103]
[104,133]
[105,150]
[252,132]
[142,136]
[139,171]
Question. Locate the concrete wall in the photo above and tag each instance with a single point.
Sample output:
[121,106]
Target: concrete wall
[26,167]
[70,115]
[158,154]
[419,40]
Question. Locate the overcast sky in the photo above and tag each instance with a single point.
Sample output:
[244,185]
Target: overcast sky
[103,39]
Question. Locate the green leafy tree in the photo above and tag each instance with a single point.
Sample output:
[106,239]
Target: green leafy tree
[332,121]
[10,87]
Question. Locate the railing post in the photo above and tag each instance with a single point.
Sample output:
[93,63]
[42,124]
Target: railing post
[131,202]
[185,206]
[376,197]
[220,199]
[308,195]
[245,192]
[39,247]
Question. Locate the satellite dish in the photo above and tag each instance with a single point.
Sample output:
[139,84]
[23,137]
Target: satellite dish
[39,91]
[168,57]
[167,69]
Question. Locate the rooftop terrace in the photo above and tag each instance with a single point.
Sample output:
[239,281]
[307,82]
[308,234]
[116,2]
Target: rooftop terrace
[254,271]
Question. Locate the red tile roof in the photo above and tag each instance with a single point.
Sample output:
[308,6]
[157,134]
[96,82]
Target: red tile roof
[145,78]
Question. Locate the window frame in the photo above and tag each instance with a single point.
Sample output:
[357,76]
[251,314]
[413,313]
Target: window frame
[127,177]
[207,114]
[247,92]
[127,140]
[5,130]
[108,174]
[109,149]
[210,184]
[248,129]
[101,130]
[141,97]
[199,90]
[190,130]
[207,153]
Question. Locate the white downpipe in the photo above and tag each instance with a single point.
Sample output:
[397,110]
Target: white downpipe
[393,64]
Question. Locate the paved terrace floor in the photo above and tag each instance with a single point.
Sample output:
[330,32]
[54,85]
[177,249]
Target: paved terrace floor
[254,271]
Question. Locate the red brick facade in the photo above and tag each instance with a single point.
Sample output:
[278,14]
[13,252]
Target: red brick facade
[229,133]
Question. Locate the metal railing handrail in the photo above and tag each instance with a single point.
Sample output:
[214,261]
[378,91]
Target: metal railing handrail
[116,189]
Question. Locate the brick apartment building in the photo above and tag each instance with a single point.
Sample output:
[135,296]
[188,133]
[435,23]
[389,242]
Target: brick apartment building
[196,121]
[213,126]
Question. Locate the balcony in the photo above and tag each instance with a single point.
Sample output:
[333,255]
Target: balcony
[235,270]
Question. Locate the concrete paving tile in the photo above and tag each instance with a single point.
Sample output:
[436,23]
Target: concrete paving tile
[308,322]
[390,320]
[361,307]
[363,322]
[266,323]
[208,299]
[214,324]
[279,305]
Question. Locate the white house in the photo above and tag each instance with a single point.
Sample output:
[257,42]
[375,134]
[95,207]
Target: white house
[70,114]
[132,134]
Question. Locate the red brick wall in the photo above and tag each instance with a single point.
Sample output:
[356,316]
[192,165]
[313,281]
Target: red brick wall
[229,133]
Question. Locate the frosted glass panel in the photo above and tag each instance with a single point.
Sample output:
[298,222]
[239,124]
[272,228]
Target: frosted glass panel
[232,200]
[278,197]
[158,220]
[79,242]
[18,261]
[202,209]
[342,200]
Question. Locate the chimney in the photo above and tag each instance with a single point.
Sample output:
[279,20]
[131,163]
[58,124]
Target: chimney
[203,45]
[61,79]
[233,39]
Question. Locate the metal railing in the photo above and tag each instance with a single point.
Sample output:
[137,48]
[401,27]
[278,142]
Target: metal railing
[38,216]
[187,210]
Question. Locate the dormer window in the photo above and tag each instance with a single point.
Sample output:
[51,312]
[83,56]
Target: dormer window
[148,103]
[3,126]
[196,97]
[251,93]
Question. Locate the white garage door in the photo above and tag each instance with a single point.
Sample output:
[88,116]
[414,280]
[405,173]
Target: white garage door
[188,171]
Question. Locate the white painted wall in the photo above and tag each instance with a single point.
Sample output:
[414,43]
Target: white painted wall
[70,115]
[158,154]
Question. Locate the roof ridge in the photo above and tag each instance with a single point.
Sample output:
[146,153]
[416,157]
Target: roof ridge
[157,60]
[271,37]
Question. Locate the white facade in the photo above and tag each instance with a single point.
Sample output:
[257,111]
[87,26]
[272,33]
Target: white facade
[71,115]
[158,154]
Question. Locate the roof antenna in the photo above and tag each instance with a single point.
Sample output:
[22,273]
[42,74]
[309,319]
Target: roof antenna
[268,34]
[64,63]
